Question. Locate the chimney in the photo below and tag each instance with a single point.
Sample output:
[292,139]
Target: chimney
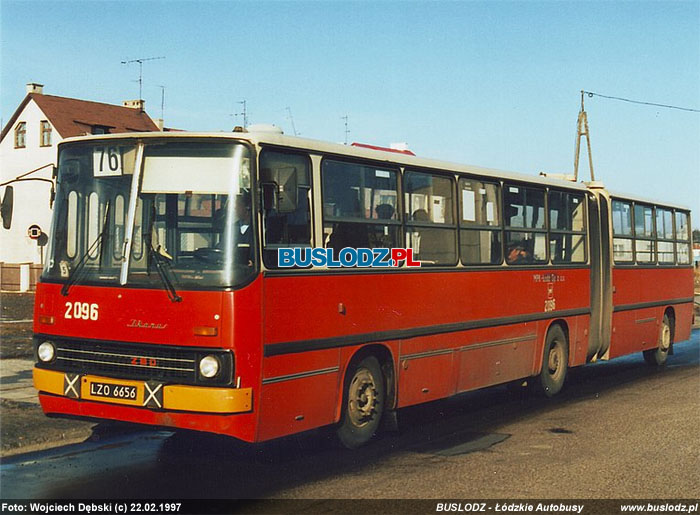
[135,104]
[160,124]
[35,87]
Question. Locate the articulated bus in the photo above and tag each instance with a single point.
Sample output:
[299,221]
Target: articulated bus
[162,301]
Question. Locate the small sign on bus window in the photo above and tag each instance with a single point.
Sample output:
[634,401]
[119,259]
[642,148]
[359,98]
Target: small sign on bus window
[468,206]
[490,216]
[106,161]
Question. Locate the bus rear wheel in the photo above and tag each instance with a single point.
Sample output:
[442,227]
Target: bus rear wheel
[555,362]
[657,357]
[363,403]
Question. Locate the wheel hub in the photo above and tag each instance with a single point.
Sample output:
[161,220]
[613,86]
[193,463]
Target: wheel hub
[555,360]
[362,398]
[665,338]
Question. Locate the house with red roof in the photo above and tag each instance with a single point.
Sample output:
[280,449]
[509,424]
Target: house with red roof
[28,143]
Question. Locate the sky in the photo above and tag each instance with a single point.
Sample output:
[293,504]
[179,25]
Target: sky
[494,84]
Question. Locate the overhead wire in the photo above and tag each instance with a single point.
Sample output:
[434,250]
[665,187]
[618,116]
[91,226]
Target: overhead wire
[592,94]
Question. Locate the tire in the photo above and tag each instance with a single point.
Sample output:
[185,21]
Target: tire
[363,403]
[657,357]
[555,360]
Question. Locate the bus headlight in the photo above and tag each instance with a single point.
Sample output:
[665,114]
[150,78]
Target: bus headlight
[209,366]
[46,352]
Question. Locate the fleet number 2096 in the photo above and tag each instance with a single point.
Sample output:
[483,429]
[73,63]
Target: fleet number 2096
[81,311]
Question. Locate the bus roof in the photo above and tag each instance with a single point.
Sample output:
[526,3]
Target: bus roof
[277,138]
[642,200]
[311,145]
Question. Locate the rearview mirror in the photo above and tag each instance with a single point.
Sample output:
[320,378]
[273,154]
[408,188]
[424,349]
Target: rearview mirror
[287,189]
[269,196]
[281,193]
[6,207]
[286,179]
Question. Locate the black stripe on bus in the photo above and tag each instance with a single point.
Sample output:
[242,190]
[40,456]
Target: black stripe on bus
[309,373]
[518,339]
[642,305]
[276,349]
[474,346]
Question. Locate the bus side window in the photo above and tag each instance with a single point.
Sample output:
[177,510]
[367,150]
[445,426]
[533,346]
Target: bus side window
[682,238]
[480,238]
[430,224]
[359,206]
[288,229]
[526,233]
[567,240]
[644,233]
[622,231]
[664,235]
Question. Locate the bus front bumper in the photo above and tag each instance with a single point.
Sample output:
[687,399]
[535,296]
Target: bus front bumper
[149,395]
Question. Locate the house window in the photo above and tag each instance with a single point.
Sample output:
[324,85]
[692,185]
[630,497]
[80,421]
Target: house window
[21,135]
[45,127]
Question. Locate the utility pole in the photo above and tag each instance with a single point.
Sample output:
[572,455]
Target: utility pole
[582,130]
[347,131]
[141,61]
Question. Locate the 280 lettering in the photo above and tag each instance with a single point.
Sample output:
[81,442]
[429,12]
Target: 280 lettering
[81,311]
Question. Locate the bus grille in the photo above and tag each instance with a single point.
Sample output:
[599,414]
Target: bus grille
[136,361]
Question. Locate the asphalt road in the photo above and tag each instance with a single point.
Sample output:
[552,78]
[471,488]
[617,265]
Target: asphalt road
[619,430]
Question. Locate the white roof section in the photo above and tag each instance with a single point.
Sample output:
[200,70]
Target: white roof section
[642,200]
[323,147]
[275,137]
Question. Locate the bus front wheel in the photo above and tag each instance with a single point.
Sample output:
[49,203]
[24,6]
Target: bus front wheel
[363,403]
[555,362]
[657,357]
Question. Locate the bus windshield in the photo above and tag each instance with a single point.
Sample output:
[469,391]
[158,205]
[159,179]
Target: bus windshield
[191,225]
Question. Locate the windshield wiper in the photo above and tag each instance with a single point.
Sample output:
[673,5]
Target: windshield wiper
[160,258]
[77,271]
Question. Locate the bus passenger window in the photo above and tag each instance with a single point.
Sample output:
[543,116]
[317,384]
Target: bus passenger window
[480,238]
[644,233]
[525,248]
[622,232]
[430,226]
[567,238]
[72,225]
[283,227]
[523,210]
[682,238]
[664,234]
[359,206]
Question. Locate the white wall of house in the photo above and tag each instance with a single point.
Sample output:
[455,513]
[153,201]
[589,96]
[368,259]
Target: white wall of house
[31,204]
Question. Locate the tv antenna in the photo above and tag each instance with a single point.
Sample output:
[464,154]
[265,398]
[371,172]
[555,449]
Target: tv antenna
[291,119]
[244,113]
[347,131]
[162,102]
[141,61]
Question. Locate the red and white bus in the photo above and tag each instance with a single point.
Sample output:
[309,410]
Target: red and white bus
[162,303]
